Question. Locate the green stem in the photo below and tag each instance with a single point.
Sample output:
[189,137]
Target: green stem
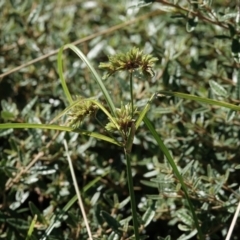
[132,196]
[131,90]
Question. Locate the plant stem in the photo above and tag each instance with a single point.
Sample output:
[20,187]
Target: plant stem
[132,196]
[131,91]
[80,201]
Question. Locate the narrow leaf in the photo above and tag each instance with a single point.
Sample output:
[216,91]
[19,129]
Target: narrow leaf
[112,222]
[237,167]
[201,99]
[97,78]
[175,170]
[144,111]
[5,132]
[124,203]
[149,184]
[187,168]
[148,215]
[165,8]
[60,128]
[18,223]
[183,215]
[230,115]
[62,79]
[188,235]
[218,89]
[31,228]
[29,106]
[33,16]
[228,16]
[113,236]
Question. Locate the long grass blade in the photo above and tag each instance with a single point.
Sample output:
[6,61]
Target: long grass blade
[59,128]
[202,100]
[175,170]
[144,111]
[62,79]
[95,74]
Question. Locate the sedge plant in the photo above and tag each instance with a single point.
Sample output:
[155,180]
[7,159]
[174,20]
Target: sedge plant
[123,120]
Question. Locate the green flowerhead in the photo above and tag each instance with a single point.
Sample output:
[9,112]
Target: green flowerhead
[130,61]
[78,112]
[123,118]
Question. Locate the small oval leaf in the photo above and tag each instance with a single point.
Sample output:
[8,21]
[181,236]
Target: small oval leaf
[230,115]
[112,222]
[148,215]
[6,115]
[218,89]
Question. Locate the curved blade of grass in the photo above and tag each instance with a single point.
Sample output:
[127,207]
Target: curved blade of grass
[62,79]
[95,74]
[59,128]
[64,111]
[106,112]
[202,100]
[144,111]
[175,170]
[57,217]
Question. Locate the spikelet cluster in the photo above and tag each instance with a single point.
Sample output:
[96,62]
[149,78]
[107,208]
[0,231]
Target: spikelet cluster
[78,112]
[130,61]
[123,118]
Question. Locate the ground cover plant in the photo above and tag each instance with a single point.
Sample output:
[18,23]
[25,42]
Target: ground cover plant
[129,132]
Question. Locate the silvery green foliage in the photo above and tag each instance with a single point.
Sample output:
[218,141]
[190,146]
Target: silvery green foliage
[197,44]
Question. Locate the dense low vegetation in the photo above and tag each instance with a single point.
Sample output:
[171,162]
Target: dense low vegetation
[143,104]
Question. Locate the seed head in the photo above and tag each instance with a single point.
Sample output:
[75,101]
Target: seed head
[78,112]
[123,118]
[130,61]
